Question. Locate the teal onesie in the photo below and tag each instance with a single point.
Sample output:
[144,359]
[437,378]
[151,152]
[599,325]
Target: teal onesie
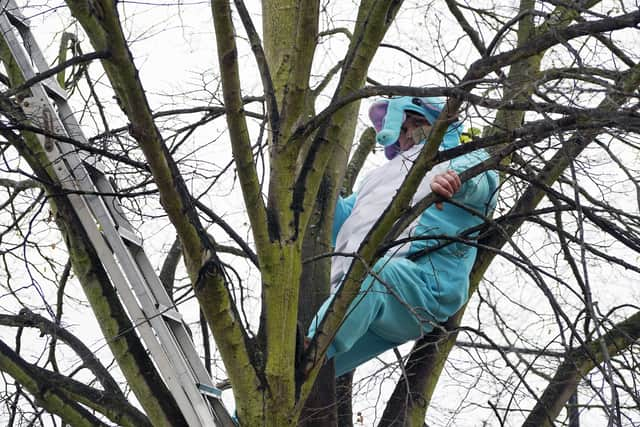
[406,298]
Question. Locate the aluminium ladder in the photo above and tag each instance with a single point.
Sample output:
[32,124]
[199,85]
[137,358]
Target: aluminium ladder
[118,246]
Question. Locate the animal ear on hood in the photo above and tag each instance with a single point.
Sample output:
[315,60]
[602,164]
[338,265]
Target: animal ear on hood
[391,124]
[376,114]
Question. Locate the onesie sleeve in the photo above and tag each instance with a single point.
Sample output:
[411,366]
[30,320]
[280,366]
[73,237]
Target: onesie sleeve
[342,212]
[478,192]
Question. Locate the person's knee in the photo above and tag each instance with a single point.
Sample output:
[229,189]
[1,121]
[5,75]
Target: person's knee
[452,301]
[391,273]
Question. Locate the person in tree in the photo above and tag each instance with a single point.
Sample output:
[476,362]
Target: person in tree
[425,281]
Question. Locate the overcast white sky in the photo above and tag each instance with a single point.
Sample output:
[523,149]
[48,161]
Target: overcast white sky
[175,53]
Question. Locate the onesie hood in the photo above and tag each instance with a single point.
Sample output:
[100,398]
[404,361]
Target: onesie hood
[387,116]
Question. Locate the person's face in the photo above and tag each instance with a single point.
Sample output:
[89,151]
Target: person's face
[413,130]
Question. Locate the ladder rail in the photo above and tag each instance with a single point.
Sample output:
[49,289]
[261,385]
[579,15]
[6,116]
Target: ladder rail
[21,24]
[129,269]
[149,289]
[152,330]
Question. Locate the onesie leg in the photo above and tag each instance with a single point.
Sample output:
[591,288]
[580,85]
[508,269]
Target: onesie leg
[360,315]
[393,306]
[366,348]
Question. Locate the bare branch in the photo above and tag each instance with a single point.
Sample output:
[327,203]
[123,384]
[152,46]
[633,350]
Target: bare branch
[27,318]
[578,363]
[265,74]
[62,395]
[83,59]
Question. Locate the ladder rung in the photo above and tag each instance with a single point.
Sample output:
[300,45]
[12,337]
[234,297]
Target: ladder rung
[104,185]
[93,166]
[210,390]
[14,14]
[170,313]
[130,236]
[54,90]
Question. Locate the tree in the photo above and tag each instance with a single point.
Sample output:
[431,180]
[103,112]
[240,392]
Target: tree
[552,84]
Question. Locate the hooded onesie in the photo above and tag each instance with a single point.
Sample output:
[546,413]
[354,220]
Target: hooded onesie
[403,298]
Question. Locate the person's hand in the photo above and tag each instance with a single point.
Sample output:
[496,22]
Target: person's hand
[446,185]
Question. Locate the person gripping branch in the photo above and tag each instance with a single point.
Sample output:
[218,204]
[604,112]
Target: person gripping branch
[406,293]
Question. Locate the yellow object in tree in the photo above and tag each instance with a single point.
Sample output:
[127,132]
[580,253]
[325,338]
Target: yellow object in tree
[469,135]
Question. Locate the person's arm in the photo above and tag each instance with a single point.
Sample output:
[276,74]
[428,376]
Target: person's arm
[478,192]
[342,212]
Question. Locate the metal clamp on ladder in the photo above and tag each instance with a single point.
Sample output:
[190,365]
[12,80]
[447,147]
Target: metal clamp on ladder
[158,322]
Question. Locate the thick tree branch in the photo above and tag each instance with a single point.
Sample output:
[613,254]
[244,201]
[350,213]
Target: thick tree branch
[549,39]
[238,132]
[365,146]
[457,92]
[27,318]
[464,24]
[168,270]
[234,346]
[62,395]
[555,167]
[18,186]
[478,69]
[101,22]
[263,67]
[336,130]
